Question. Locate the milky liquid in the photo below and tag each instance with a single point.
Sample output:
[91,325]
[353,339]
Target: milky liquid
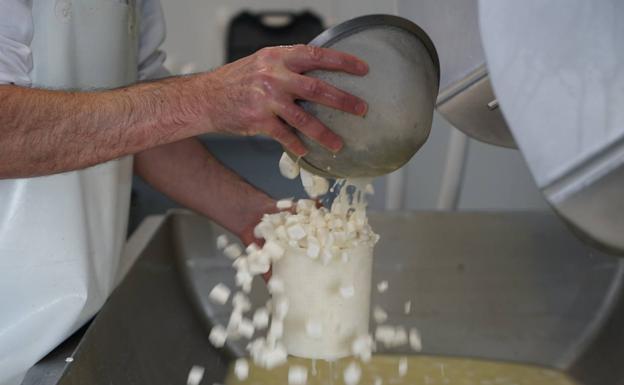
[422,370]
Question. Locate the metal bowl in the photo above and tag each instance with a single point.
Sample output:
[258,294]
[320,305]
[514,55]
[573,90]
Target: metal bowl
[401,89]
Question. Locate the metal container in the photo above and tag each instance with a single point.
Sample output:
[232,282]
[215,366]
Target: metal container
[400,88]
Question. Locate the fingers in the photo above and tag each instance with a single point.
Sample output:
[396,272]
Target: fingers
[310,126]
[304,58]
[318,91]
[287,138]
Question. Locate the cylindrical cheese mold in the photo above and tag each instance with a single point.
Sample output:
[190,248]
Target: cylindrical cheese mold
[328,304]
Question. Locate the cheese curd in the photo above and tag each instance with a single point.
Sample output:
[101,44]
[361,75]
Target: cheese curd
[321,261]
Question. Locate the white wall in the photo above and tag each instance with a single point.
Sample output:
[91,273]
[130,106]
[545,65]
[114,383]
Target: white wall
[495,178]
[498,178]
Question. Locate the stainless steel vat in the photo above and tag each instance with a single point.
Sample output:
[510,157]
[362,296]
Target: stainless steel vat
[506,286]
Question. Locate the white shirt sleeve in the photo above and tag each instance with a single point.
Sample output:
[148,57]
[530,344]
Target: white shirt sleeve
[16,29]
[152,35]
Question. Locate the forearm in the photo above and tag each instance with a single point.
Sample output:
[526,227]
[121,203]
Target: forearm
[44,132]
[187,173]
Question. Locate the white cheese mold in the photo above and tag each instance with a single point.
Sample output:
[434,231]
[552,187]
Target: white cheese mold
[312,291]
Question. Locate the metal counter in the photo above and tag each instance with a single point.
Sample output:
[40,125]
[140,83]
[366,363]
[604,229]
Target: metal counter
[507,286]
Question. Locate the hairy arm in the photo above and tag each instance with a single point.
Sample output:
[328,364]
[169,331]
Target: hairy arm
[44,132]
[187,173]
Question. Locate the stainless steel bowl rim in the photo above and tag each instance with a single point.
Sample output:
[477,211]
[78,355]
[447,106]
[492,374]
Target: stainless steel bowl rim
[349,27]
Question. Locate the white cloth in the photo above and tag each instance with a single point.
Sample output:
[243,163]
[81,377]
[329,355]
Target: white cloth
[61,236]
[16,32]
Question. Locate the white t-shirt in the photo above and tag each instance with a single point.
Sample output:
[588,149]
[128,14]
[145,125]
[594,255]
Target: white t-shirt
[16,32]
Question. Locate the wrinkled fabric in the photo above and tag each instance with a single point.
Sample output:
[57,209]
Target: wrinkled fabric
[61,236]
[16,32]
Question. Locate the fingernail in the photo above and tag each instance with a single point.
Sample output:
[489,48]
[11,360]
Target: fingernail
[362,67]
[337,146]
[361,108]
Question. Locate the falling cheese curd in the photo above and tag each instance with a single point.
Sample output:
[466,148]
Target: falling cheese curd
[320,287]
[397,370]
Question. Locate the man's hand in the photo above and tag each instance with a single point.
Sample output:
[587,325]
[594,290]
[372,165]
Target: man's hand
[257,94]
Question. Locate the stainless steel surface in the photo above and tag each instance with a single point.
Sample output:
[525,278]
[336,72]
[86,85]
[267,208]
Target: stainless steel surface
[516,287]
[506,286]
[470,106]
[400,88]
[464,85]
[558,72]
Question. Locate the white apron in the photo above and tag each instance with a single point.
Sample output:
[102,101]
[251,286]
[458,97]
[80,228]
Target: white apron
[61,236]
